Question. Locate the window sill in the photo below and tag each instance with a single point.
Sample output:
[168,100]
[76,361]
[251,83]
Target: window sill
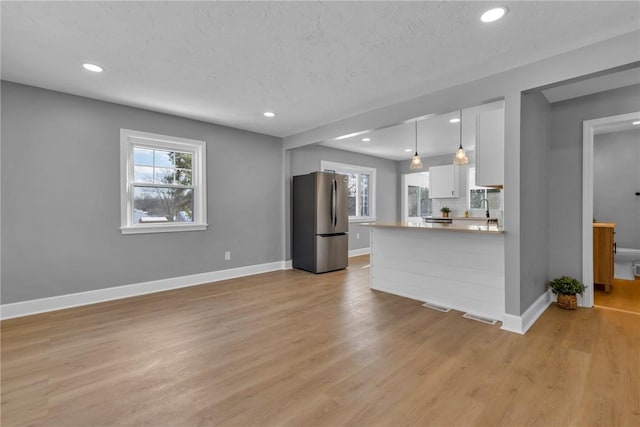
[363,219]
[142,229]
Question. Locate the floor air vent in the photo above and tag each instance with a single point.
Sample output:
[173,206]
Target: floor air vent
[480,318]
[436,307]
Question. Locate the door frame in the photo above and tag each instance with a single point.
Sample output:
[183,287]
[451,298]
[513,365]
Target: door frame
[589,129]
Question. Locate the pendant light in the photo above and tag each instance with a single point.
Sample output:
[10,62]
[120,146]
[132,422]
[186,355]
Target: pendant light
[416,162]
[461,157]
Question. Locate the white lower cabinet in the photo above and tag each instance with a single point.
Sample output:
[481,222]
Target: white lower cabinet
[444,182]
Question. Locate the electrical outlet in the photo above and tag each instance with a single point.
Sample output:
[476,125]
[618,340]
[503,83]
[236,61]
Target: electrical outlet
[357,235]
[227,256]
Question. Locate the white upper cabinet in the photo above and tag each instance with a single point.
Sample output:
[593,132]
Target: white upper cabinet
[490,148]
[444,182]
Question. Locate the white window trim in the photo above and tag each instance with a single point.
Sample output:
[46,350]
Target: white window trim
[129,138]
[343,167]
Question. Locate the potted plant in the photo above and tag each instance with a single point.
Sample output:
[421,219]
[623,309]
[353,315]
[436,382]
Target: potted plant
[566,288]
[445,211]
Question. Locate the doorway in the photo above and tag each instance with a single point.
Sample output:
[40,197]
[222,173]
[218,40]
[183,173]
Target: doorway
[611,180]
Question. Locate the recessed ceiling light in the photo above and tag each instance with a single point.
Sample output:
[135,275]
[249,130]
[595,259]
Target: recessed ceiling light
[456,120]
[493,14]
[408,150]
[269,114]
[92,67]
[366,139]
[636,123]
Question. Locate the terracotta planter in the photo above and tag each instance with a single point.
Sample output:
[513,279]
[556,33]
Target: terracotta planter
[568,302]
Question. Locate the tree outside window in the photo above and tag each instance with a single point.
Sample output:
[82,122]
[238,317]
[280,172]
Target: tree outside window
[419,203]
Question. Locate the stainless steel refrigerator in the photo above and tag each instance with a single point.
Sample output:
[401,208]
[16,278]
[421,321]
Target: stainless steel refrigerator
[320,218]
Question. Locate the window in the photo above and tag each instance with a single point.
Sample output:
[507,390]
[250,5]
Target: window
[416,201]
[419,201]
[361,187]
[476,194]
[163,183]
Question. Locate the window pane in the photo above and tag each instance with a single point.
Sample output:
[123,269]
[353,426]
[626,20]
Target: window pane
[182,160]
[164,159]
[351,202]
[142,174]
[493,195]
[425,202]
[413,200]
[352,186]
[164,176]
[352,192]
[475,197]
[142,156]
[183,176]
[364,195]
[158,205]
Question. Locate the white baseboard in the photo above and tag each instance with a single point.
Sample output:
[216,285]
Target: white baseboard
[521,324]
[358,252]
[288,265]
[26,308]
[512,323]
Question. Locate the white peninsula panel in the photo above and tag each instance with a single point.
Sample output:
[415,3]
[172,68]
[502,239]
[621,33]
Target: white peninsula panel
[460,269]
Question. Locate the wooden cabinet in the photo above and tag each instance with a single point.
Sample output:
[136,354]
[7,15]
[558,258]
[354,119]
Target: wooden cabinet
[444,182]
[603,247]
[490,148]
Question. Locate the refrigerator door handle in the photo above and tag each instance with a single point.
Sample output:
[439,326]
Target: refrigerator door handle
[335,223]
[334,202]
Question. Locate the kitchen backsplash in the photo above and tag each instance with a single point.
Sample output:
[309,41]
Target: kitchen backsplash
[461,204]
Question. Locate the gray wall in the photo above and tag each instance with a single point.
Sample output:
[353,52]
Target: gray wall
[616,179]
[307,159]
[535,142]
[61,200]
[565,171]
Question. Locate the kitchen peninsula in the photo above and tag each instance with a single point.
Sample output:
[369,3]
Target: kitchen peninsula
[459,265]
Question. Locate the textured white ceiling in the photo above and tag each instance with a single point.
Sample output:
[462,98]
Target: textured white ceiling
[311,62]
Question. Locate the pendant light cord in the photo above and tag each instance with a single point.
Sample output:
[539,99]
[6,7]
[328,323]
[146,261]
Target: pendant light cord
[460,129]
[416,123]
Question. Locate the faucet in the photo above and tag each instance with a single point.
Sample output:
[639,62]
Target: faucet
[487,211]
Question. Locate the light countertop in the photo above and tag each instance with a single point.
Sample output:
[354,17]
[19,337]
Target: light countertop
[605,224]
[459,227]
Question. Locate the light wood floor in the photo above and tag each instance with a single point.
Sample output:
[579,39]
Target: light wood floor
[292,348]
[624,295]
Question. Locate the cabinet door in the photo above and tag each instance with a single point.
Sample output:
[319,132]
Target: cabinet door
[603,256]
[490,148]
[443,182]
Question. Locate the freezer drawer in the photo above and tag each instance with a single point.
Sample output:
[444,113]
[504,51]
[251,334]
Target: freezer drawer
[332,252]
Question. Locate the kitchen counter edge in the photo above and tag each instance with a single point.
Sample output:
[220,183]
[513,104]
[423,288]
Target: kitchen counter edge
[464,228]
